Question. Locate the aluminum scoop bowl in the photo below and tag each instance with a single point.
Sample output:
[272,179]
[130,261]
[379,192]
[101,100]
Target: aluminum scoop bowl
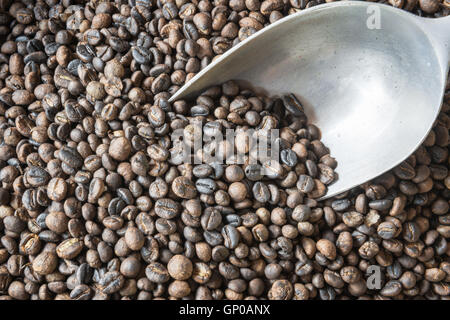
[374,92]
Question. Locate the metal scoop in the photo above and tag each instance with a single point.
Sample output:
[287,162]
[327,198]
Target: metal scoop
[370,76]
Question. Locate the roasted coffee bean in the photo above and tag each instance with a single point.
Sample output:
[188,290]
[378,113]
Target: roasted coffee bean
[202,171]
[261,192]
[71,157]
[180,267]
[305,183]
[254,172]
[45,263]
[380,204]
[387,230]
[81,292]
[157,272]
[288,157]
[326,174]
[158,189]
[205,186]
[272,169]
[327,248]
[166,208]
[120,148]
[111,282]
[211,219]
[184,188]
[69,249]
[292,105]
[281,290]
[341,204]
[134,238]
[234,173]
[141,55]
[231,236]
[411,232]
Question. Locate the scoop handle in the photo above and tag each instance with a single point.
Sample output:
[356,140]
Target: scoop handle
[439,30]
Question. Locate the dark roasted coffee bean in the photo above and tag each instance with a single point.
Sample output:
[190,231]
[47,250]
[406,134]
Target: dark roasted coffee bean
[211,219]
[36,176]
[387,230]
[405,171]
[199,110]
[81,292]
[141,55]
[85,52]
[288,157]
[411,232]
[202,171]
[213,238]
[305,183]
[292,105]
[166,208]
[231,236]
[341,204]
[261,192]
[205,186]
[380,204]
[118,44]
[71,157]
[111,282]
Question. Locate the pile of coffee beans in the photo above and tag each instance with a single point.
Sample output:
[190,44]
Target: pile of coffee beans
[98,202]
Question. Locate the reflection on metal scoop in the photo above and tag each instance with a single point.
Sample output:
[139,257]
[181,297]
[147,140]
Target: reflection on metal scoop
[373,87]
